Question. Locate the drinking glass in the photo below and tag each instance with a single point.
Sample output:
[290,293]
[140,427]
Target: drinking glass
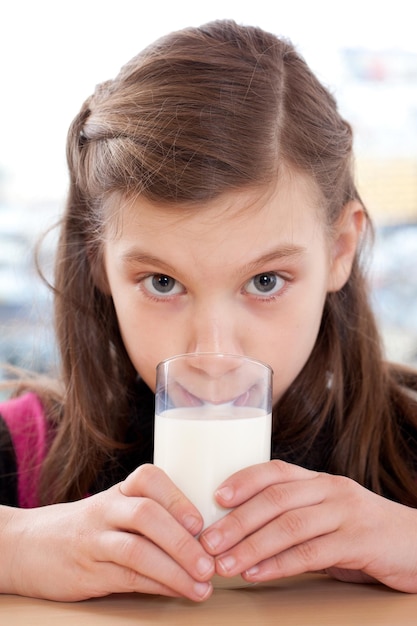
[212,418]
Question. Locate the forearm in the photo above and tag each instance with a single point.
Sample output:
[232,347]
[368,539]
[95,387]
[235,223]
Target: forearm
[10,534]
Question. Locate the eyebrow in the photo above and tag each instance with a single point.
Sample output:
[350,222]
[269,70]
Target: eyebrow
[282,252]
[136,256]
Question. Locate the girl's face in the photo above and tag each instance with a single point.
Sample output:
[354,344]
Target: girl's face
[246,273]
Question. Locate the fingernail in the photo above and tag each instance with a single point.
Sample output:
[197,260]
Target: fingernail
[191,523]
[202,589]
[212,538]
[252,571]
[227,563]
[225,493]
[204,565]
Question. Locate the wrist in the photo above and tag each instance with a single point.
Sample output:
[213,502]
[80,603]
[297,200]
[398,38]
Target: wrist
[10,531]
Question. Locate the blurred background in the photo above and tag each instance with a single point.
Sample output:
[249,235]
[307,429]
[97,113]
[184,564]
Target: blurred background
[52,54]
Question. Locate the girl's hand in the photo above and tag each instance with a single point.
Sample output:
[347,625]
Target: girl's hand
[289,520]
[140,535]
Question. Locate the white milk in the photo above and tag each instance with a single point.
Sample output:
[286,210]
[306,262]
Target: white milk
[199,447]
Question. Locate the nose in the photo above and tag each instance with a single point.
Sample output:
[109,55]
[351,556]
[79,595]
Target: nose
[215,368]
[219,379]
[214,328]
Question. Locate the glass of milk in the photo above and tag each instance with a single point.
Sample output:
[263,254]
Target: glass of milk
[212,418]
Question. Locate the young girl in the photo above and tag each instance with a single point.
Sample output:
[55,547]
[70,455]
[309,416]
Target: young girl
[211,207]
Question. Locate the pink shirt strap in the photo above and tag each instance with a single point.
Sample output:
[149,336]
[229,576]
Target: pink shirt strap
[25,419]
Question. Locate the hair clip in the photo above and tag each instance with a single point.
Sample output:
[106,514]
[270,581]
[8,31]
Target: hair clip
[82,138]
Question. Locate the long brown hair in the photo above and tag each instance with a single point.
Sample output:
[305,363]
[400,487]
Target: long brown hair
[202,111]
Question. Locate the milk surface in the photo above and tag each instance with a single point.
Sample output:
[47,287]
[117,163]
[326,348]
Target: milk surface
[199,447]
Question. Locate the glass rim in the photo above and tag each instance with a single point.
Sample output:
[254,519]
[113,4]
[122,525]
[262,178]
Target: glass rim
[217,354]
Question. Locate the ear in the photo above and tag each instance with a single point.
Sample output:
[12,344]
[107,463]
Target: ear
[345,241]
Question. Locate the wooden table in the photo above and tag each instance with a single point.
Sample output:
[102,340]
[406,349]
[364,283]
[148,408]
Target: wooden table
[310,600]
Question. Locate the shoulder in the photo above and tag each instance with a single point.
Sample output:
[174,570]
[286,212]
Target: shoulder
[8,468]
[26,422]
[24,415]
[14,408]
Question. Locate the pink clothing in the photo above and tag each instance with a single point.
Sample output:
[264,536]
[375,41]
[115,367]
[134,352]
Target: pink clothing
[25,419]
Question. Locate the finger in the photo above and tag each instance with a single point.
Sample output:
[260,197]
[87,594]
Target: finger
[305,557]
[292,529]
[255,513]
[143,516]
[105,578]
[328,554]
[146,566]
[151,482]
[247,482]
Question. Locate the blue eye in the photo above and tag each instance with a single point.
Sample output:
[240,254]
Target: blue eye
[162,285]
[267,283]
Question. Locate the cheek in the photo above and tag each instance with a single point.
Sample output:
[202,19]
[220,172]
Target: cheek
[148,340]
[294,347]
[140,346]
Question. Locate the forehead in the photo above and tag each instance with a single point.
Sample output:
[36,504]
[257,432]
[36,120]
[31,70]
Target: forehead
[289,203]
